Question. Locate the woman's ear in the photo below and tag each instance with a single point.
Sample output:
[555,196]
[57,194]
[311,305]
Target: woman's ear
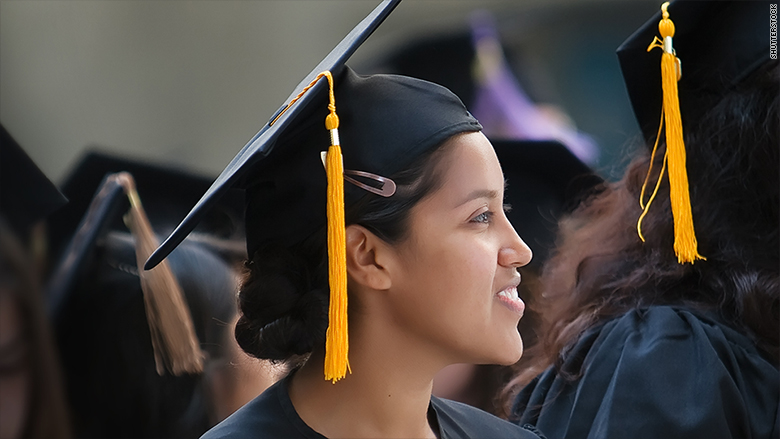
[365,251]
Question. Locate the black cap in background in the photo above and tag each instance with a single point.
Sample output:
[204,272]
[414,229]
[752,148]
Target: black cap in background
[167,193]
[719,43]
[26,194]
[97,207]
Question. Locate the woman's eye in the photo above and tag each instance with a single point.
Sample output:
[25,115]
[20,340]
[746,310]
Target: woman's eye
[483,218]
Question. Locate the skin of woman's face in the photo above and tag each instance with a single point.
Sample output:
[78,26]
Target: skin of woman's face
[455,277]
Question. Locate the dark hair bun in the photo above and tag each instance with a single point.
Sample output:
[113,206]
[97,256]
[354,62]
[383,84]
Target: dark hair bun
[283,303]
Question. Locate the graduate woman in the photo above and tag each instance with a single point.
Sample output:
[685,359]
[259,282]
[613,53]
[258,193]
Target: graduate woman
[414,244]
[663,296]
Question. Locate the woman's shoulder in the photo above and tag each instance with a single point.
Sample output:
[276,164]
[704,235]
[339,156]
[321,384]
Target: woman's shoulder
[458,420]
[270,415]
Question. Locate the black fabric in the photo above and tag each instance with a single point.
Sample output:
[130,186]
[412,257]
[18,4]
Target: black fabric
[272,415]
[660,372]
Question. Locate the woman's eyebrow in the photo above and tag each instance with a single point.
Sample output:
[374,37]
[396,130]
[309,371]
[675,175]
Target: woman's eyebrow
[479,193]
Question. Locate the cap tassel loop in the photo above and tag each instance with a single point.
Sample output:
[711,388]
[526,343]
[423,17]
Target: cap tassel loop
[337,340]
[646,207]
[175,345]
[685,244]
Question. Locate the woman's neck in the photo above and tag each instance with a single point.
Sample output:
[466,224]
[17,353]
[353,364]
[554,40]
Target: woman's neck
[387,395]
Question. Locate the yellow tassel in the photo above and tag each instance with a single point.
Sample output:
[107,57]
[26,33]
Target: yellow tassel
[337,340]
[685,245]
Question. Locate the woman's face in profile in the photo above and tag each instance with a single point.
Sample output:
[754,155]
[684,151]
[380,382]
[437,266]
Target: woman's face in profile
[457,284]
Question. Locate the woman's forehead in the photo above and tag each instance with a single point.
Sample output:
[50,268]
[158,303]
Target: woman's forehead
[469,169]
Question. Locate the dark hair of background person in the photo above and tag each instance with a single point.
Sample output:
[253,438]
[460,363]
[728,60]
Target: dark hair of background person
[600,269]
[47,413]
[113,386]
[284,296]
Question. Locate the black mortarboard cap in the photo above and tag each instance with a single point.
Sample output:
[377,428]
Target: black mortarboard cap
[114,209]
[446,59]
[26,194]
[261,145]
[718,42]
[387,121]
[109,202]
[97,207]
[167,192]
[384,123]
[706,49]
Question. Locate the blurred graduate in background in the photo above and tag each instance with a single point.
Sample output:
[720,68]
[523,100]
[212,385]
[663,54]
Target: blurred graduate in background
[661,298]
[147,355]
[32,402]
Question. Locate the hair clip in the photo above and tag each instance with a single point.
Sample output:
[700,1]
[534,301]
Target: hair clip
[386,186]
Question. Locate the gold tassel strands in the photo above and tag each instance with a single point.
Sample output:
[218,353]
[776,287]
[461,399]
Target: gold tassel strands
[685,244]
[337,338]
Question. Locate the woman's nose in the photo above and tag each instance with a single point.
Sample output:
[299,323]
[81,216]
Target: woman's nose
[514,252]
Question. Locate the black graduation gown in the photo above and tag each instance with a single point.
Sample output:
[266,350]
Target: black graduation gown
[272,415]
[660,372]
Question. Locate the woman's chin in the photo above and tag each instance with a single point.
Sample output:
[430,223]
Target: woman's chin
[510,352]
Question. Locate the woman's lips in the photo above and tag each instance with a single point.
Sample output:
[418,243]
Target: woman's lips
[509,298]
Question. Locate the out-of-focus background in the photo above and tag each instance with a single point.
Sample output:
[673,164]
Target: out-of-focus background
[170,91]
[188,83]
